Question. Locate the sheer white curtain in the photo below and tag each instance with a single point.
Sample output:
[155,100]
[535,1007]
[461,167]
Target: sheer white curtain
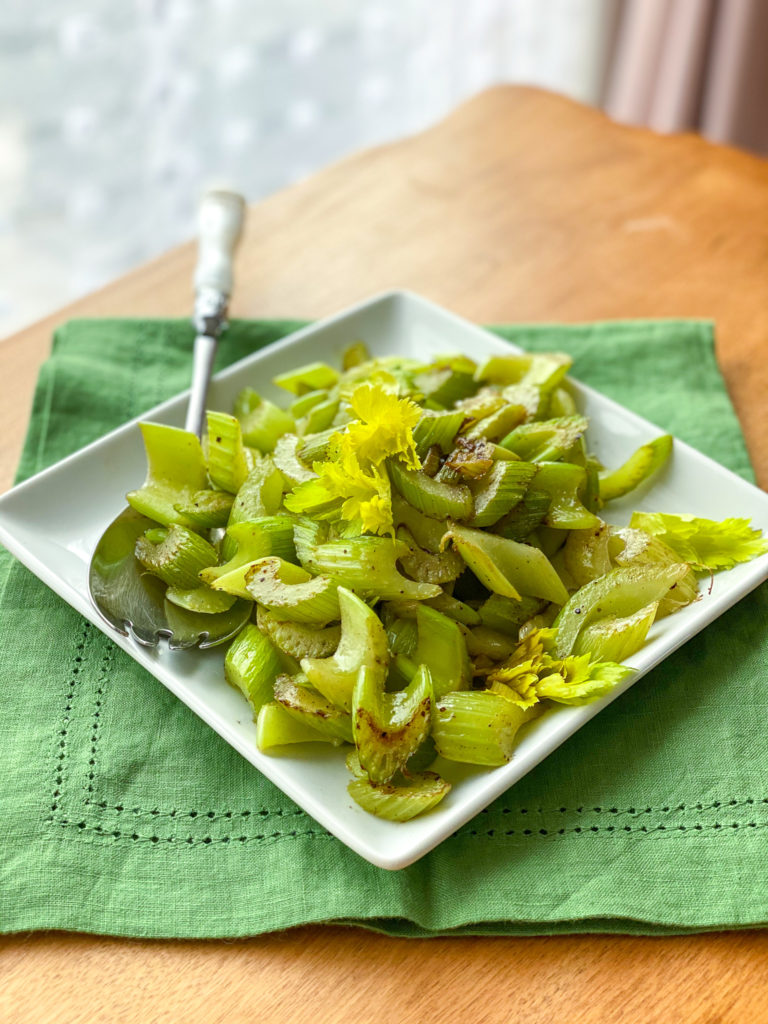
[114,115]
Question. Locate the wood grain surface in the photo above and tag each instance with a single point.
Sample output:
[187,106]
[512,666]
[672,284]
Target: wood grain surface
[521,206]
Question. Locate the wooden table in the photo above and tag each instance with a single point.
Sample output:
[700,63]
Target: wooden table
[521,206]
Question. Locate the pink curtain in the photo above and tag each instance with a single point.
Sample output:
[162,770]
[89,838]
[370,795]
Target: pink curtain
[693,64]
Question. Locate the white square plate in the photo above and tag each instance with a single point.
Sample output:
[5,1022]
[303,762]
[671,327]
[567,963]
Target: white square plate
[52,522]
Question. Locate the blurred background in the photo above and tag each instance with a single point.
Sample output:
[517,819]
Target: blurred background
[115,115]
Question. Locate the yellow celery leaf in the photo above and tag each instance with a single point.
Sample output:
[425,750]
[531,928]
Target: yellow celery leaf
[577,681]
[385,426]
[517,683]
[533,646]
[366,495]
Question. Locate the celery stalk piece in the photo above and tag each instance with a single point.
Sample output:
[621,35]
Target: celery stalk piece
[202,600]
[297,640]
[705,544]
[476,727]
[299,407]
[430,463]
[292,593]
[439,500]
[355,355]
[437,428]
[561,403]
[227,461]
[533,399]
[499,491]
[260,495]
[177,557]
[454,609]
[367,565]
[647,460]
[315,447]
[389,727]
[252,664]
[444,384]
[563,482]
[363,643]
[263,423]
[313,709]
[590,491]
[442,648]
[469,460]
[498,424]
[507,567]
[253,540]
[506,615]
[615,638]
[307,535]
[484,402]
[637,547]
[427,532]
[288,462]
[550,539]
[544,370]
[620,592]
[425,567]
[207,509]
[402,637]
[276,727]
[493,643]
[445,603]
[525,517]
[546,441]
[319,417]
[417,794]
[587,554]
[176,471]
[311,377]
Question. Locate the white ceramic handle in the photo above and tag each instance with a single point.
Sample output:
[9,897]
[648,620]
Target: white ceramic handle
[220,222]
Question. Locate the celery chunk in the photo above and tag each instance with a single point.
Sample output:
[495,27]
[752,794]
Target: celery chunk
[253,540]
[176,472]
[363,643]
[389,727]
[476,727]
[263,423]
[177,556]
[297,640]
[417,794]
[227,460]
[314,710]
[647,460]
[620,592]
[252,664]
[439,500]
[292,593]
[507,567]
[276,727]
[367,565]
[311,377]
[442,648]
[616,638]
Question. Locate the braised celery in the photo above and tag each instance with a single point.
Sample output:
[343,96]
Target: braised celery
[424,552]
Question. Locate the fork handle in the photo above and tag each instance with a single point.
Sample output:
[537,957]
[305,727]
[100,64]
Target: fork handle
[219,226]
[220,223]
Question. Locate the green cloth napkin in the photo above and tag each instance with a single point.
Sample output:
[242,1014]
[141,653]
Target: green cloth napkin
[124,814]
